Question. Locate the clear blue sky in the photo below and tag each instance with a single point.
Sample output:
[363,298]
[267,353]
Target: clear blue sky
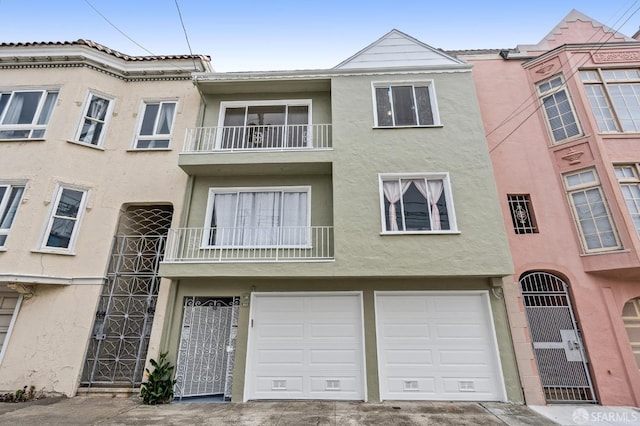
[267,35]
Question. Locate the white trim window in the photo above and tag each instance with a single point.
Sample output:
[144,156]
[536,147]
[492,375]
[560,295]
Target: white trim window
[156,124]
[558,109]
[405,104]
[64,221]
[416,203]
[629,181]
[258,217]
[10,197]
[95,117]
[620,88]
[24,114]
[265,124]
[591,212]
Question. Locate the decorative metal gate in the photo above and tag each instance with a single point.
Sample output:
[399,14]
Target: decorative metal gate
[118,346]
[557,343]
[207,346]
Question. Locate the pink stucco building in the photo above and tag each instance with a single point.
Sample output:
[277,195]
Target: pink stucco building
[562,119]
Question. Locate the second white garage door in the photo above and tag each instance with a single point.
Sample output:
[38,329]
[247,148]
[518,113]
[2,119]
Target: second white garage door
[437,346]
[305,347]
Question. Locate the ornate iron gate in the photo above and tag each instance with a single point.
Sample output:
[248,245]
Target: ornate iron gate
[557,343]
[207,345]
[118,346]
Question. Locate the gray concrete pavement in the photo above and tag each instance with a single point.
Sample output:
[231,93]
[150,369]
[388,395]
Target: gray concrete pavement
[130,411]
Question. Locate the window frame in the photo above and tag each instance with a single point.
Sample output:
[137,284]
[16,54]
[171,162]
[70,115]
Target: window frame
[447,191]
[583,187]
[512,200]
[37,115]
[141,114]
[107,118]
[429,83]
[4,204]
[629,181]
[204,244]
[224,105]
[553,91]
[51,216]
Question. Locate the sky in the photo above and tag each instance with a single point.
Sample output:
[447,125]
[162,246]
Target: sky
[248,35]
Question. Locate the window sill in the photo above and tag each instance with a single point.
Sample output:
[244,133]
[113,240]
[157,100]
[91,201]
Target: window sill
[385,233]
[23,140]
[437,126]
[148,149]
[53,251]
[87,145]
[3,249]
[612,251]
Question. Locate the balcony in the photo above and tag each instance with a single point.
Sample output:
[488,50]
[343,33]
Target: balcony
[274,244]
[292,137]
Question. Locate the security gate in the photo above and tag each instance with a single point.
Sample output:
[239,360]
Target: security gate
[118,346]
[557,344]
[207,345]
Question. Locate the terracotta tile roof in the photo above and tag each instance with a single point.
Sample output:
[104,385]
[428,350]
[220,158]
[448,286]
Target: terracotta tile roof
[105,49]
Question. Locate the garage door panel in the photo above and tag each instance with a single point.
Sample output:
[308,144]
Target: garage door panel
[316,353]
[449,355]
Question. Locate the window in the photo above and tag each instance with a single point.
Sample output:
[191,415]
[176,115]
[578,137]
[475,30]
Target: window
[156,125]
[10,197]
[405,104]
[620,88]
[97,111]
[630,185]
[524,222]
[62,229]
[266,124]
[558,109]
[25,114]
[416,204]
[258,217]
[590,211]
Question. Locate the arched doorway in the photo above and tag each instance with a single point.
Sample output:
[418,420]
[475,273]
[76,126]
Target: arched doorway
[556,339]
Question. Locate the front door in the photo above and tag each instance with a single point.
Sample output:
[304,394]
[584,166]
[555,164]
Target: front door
[557,344]
[207,345]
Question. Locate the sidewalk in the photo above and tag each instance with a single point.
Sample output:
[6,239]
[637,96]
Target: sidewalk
[129,411]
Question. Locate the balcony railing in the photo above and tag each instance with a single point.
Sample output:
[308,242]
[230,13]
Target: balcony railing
[250,138]
[274,244]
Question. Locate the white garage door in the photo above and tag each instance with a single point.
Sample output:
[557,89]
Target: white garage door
[305,347]
[437,346]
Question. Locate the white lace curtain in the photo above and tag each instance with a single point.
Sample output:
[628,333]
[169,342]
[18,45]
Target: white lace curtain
[97,111]
[431,190]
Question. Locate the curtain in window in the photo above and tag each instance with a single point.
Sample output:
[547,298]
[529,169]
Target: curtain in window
[295,230]
[15,109]
[393,192]
[97,110]
[224,219]
[165,119]
[435,191]
[12,206]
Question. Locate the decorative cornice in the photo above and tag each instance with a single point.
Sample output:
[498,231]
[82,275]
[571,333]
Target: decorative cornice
[27,279]
[619,56]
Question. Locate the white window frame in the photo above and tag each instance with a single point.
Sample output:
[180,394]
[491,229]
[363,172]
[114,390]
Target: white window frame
[542,95]
[444,177]
[430,84]
[582,187]
[32,127]
[272,102]
[107,118]
[141,113]
[629,180]
[4,201]
[230,190]
[60,187]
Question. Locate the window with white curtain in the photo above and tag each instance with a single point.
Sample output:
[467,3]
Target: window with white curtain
[630,185]
[558,109]
[591,212]
[10,197]
[420,203]
[156,125]
[24,114]
[258,217]
[405,104]
[62,228]
[97,111]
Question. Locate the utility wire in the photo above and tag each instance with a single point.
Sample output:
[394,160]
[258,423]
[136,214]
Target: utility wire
[531,99]
[184,30]
[573,73]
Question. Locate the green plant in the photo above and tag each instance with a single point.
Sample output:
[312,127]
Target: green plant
[21,395]
[158,389]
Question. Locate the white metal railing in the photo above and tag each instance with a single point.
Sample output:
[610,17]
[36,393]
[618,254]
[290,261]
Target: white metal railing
[276,244]
[248,138]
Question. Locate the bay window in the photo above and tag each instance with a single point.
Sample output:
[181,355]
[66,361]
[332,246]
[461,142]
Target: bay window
[614,96]
[24,114]
[630,185]
[62,228]
[95,116]
[156,125]
[558,109]
[10,197]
